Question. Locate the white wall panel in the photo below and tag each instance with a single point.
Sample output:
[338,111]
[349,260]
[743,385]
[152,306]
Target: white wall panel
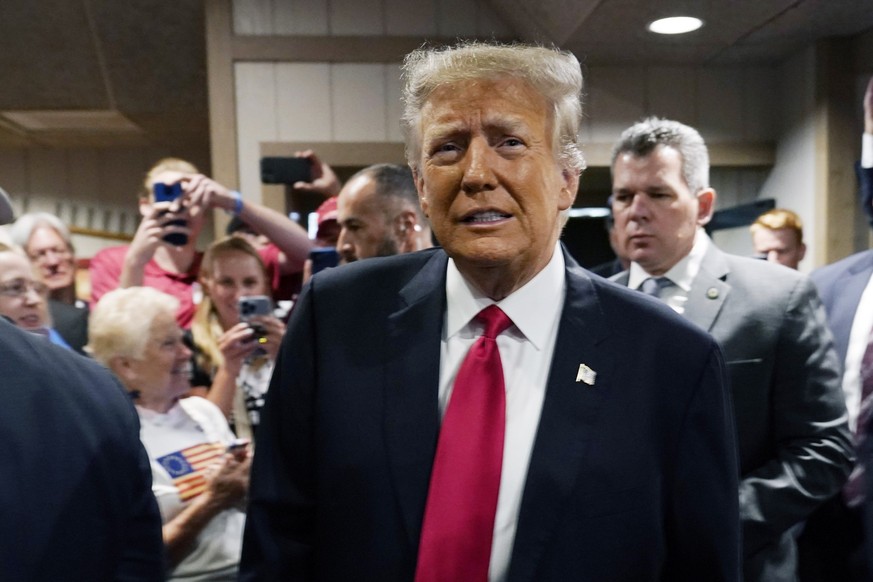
[359,102]
[489,24]
[456,18]
[47,183]
[253,17]
[256,119]
[720,105]
[672,93]
[357,17]
[303,102]
[616,100]
[300,17]
[407,18]
[759,86]
[394,106]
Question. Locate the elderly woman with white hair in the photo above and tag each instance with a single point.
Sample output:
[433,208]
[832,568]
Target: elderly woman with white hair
[200,472]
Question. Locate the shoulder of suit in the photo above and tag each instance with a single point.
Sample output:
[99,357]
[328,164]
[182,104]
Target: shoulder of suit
[839,267]
[377,268]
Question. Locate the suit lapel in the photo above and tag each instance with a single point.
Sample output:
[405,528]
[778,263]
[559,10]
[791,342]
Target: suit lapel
[708,290]
[569,412]
[841,314]
[412,372]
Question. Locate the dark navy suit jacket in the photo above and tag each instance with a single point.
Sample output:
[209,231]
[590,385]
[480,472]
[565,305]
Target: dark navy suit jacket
[633,478]
[75,484]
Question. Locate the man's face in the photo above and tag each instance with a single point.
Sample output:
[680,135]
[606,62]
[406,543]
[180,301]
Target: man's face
[488,178]
[656,214]
[366,229]
[779,246]
[51,255]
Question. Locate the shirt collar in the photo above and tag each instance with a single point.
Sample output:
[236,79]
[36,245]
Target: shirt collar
[532,308]
[681,274]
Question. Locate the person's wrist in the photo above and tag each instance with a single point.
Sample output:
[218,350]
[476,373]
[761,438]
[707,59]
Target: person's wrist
[235,206]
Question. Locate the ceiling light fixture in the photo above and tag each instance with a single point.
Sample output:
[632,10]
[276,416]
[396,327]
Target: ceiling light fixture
[675,25]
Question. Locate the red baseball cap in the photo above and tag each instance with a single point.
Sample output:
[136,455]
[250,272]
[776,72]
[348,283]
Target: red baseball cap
[327,213]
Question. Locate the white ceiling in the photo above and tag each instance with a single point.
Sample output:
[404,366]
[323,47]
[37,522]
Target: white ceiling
[137,68]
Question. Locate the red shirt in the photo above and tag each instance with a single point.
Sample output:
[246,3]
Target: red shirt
[105,270]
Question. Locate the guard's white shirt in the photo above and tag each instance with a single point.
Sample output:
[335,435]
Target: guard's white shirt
[526,350]
[681,274]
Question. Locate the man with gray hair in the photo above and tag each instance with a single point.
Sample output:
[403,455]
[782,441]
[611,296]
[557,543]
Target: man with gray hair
[467,413]
[791,419]
[46,240]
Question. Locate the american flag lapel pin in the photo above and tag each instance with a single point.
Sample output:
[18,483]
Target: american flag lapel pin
[586,374]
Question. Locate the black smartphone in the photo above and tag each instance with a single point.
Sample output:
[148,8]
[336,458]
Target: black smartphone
[284,170]
[237,445]
[323,258]
[168,193]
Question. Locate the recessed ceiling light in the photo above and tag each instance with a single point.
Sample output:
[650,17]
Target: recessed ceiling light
[675,25]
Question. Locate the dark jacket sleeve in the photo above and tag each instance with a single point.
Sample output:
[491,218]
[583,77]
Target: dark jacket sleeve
[810,435]
[279,533]
[705,508]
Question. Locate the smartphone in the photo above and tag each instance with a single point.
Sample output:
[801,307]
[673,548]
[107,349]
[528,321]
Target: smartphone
[237,445]
[254,305]
[323,258]
[168,193]
[283,170]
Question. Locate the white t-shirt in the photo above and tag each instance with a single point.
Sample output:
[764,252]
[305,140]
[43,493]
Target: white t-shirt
[180,445]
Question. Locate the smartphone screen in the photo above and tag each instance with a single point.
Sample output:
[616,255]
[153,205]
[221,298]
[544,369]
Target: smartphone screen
[167,192]
[283,170]
[323,258]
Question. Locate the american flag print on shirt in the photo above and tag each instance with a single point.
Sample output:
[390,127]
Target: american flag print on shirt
[186,467]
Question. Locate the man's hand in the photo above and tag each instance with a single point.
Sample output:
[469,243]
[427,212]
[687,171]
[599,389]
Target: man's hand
[324,181]
[154,226]
[203,193]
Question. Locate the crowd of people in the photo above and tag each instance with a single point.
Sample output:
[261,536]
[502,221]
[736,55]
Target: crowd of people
[459,399]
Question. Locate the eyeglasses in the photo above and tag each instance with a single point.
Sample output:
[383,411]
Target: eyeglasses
[43,255]
[20,287]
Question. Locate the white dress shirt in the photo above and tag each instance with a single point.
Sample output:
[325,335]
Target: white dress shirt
[526,350]
[861,326]
[681,274]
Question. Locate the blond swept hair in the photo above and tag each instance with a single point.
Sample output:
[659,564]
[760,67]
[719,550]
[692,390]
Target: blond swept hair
[554,74]
[166,165]
[777,219]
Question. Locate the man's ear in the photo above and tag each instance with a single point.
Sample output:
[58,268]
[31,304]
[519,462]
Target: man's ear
[405,231]
[571,187]
[705,205]
[419,186]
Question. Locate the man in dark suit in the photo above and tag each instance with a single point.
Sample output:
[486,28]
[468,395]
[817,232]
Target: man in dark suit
[75,482]
[832,545]
[603,471]
[791,420]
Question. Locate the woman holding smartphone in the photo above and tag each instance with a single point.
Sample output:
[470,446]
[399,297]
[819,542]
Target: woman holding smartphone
[200,472]
[237,353]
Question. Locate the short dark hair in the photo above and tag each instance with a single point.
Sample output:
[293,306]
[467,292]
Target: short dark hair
[393,181]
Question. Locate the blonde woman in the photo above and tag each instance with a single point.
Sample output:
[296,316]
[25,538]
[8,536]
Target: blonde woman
[238,354]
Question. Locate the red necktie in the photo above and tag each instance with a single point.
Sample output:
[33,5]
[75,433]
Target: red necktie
[462,500]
